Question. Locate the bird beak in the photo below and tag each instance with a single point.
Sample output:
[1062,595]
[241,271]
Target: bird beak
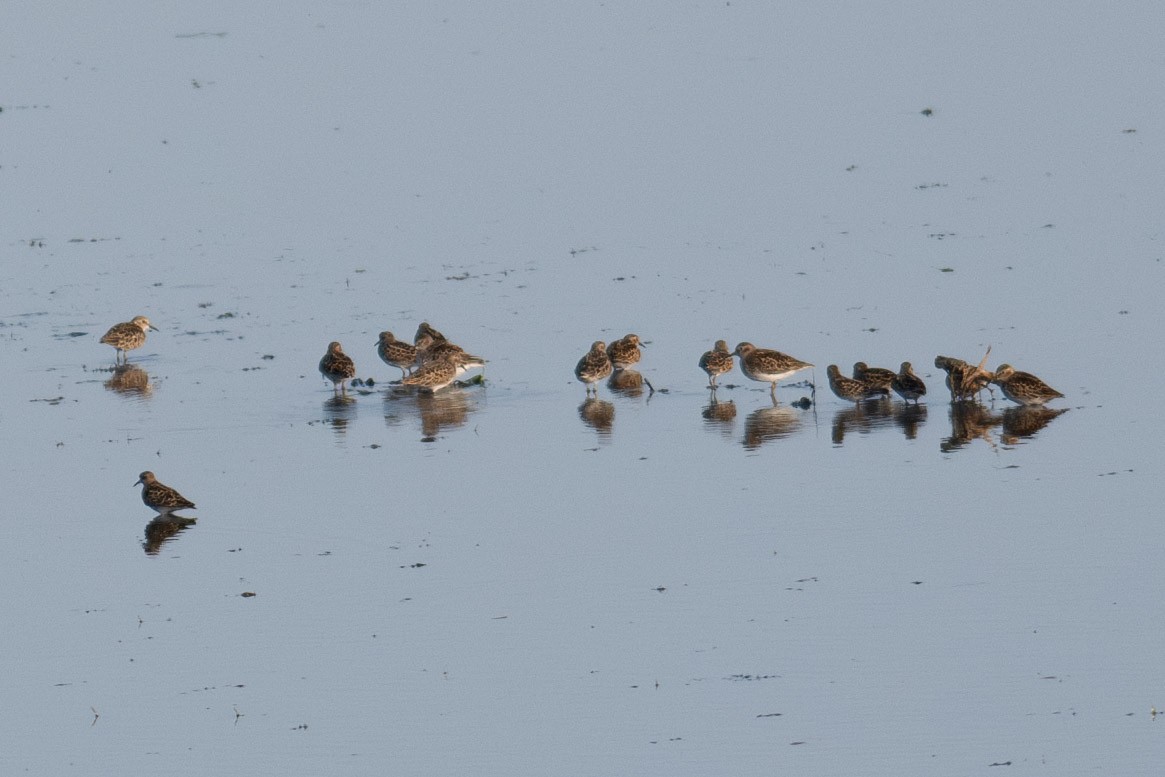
[138,483]
[155,328]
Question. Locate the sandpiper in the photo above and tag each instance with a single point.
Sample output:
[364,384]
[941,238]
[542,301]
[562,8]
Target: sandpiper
[716,362]
[161,498]
[767,366]
[436,374]
[429,349]
[594,366]
[1023,387]
[128,335]
[397,353]
[875,377]
[425,330]
[625,352]
[963,380]
[908,385]
[851,389]
[337,366]
[956,370]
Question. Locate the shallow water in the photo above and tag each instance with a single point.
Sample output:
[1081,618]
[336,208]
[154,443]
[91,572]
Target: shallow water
[510,577]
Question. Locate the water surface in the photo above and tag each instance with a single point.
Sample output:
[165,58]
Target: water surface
[510,578]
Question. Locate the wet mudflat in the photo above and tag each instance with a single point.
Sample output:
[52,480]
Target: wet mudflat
[511,577]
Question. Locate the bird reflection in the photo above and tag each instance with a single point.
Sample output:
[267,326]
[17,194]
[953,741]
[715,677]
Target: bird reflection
[442,411]
[770,423]
[861,418]
[1023,422]
[626,382]
[969,421]
[163,529]
[719,416]
[598,414]
[437,411]
[339,411]
[909,417]
[130,380]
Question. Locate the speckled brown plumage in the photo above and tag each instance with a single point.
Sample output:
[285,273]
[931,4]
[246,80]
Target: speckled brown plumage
[624,352]
[161,498]
[716,362]
[849,389]
[874,377]
[436,374]
[1023,387]
[766,365]
[908,385]
[429,350]
[964,380]
[594,367]
[396,353]
[424,330]
[128,335]
[337,366]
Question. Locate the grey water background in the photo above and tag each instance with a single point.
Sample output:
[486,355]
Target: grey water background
[505,580]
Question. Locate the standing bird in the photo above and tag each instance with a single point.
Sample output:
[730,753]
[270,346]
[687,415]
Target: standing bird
[161,498]
[128,335]
[851,389]
[767,366]
[593,367]
[963,380]
[875,377]
[625,352]
[397,353]
[908,385]
[430,350]
[716,362]
[337,366]
[436,374]
[423,330]
[1023,387]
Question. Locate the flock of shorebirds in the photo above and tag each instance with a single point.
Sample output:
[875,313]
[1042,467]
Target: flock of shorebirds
[431,362]
[768,366]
